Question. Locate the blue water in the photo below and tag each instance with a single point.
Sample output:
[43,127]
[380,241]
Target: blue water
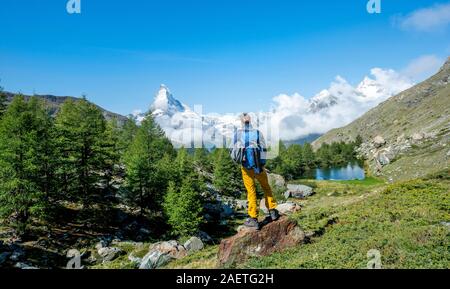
[349,172]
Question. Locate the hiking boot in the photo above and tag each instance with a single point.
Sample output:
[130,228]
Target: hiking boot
[252,223]
[274,214]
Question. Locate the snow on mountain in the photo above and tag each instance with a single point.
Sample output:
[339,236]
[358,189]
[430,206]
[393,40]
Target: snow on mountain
[291,118]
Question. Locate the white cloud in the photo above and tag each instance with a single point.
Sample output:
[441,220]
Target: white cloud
[295,119]
[295,116]
[423,67]
[426,19]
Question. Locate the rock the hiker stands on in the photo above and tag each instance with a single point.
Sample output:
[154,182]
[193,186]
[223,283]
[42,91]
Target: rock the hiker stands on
[274,237]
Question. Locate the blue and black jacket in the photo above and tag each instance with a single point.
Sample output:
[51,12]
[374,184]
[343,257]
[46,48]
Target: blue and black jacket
[254,148]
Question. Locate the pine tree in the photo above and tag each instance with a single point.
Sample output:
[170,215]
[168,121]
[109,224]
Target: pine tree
[226,174]
[308,156]
[293,164]
[275,164]
[183,206]
[112,152]
[81,139]
[201,160]
[24,171]
[146,179]
[127,134]
[3,105]
[358,141]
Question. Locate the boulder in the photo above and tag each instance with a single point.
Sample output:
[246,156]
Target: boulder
[273,237]
[193,245]
[288,208]
[154,259]
[276,180]
[109,253]
[4,257]
[284,208]
[418,136]
[384,156]
[162,253]
[101,244]
[298,191]
[24,266]
[171,248]
[379,141]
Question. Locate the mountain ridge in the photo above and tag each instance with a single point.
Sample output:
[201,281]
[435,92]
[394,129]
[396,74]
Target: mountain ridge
[406,136]
[54,103]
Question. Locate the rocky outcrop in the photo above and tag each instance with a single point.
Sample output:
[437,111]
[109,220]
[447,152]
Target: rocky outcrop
[298,191]
[274,237]
[409,130]
[161,253]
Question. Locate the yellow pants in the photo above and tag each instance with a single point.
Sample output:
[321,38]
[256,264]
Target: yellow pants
[249,177]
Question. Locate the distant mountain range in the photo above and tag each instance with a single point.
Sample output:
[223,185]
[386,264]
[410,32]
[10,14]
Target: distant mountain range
[294,119]
[54,103]
[408,135]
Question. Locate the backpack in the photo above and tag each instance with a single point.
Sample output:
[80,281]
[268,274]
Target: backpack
[253,152]
[238,150]
[250,152]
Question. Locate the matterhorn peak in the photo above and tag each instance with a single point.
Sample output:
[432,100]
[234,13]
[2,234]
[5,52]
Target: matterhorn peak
[165,103]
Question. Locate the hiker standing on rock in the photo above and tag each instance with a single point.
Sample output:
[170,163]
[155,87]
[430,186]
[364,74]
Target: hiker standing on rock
[249,150]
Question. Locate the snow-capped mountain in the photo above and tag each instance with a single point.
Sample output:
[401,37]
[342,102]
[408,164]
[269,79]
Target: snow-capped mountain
[292,117]
[166,104]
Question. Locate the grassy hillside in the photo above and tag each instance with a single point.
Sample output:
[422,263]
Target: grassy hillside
[407,222]
[415,125]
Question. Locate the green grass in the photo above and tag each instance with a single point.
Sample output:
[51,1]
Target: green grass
[122,262]
[206,258]
[368,181]
[402,221]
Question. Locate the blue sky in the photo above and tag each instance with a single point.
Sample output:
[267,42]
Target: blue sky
[229,56]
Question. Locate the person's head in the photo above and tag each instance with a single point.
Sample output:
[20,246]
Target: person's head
[246,119]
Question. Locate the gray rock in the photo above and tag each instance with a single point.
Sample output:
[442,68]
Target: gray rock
[16,255]
[154,259]
[418,136]
[171,248]
[4,256]
[101,244]
[241,205]
[193,245]
[298,191]
[379,141]
[288,208]
[134,259]
[109,253]
[445,224]
[276,180]
[384,157]
[24,266]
